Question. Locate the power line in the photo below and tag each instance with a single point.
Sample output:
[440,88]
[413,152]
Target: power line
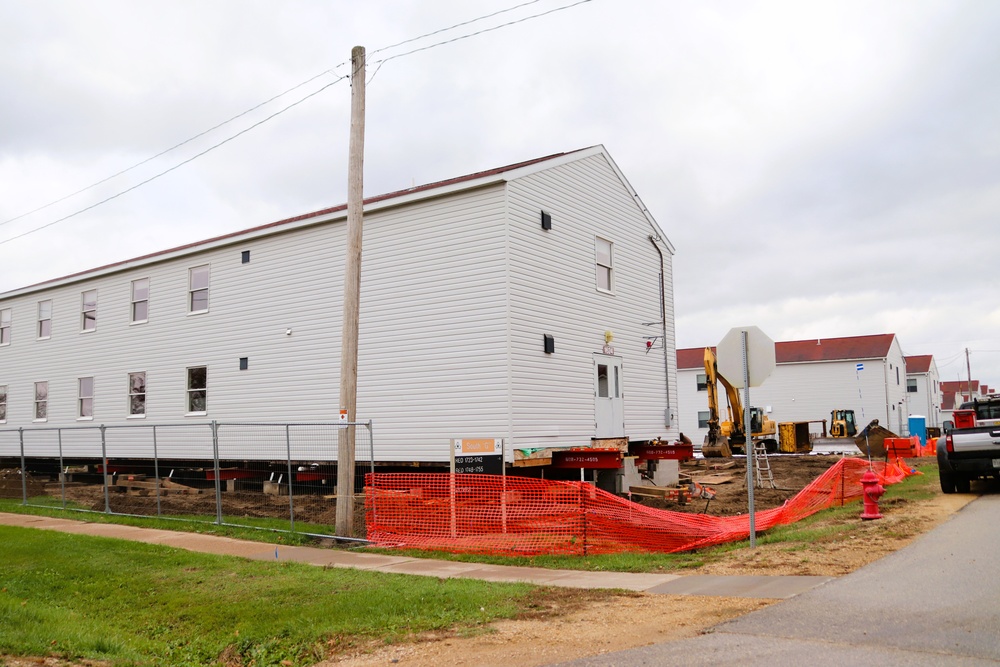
[244,131]
[176,166]
[474,34]
[164,152]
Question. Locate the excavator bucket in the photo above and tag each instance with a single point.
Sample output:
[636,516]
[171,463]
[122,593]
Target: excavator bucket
[719,450]
[871,440]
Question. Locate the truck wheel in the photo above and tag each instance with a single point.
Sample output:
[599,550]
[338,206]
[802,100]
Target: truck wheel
[947,482]
[963,484]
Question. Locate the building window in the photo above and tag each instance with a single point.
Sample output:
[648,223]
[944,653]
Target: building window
[911,385]
[3,403]
[137,394]
[702,382]
[198,289]
[5,326]
[605,257]
[140,300]
[89,310]
[197,389]
[44,319]
[41,401]
[86,402]
[703,417]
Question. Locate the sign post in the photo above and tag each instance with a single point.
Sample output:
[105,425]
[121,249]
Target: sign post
[746,358]
[477,456]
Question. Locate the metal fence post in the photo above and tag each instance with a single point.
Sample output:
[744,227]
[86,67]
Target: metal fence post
[104,460]
[156,472]
[288,453]
[218,474]
[62,473]
[24,473]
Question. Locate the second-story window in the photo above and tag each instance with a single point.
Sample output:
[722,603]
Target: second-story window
[198,289]
[5,326]
[89,311]
[140,300]
[702,381]
[45,319]
[605,258]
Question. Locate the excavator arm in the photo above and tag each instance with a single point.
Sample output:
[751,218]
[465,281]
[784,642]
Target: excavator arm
[716,442]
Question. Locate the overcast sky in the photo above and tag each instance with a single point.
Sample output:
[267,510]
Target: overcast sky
[823,168]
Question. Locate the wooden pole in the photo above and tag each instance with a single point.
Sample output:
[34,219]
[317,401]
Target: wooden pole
[352,297]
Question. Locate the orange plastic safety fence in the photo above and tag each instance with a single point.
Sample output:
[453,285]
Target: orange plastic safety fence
[519,516]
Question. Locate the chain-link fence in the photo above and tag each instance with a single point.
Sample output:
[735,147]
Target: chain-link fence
[260,475]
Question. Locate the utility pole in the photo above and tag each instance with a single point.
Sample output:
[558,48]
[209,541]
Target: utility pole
[968,370]
[352,297]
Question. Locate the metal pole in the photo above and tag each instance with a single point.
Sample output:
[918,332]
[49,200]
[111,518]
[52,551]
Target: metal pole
[288,452]
[156,473]
[104,458]
[24,474]
[218,472]
[62,468]
[748,445]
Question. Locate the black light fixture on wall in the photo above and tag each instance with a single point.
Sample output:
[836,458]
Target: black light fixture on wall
[549,343]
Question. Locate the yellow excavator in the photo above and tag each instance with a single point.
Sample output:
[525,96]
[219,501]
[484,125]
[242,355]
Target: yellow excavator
[728,437]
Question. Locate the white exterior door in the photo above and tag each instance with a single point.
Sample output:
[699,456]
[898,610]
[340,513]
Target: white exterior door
[609,406]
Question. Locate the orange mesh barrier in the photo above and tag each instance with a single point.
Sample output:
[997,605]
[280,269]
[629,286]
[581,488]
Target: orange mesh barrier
[519,516]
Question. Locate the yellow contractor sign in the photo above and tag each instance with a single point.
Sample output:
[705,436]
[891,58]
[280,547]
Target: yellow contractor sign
[478,456]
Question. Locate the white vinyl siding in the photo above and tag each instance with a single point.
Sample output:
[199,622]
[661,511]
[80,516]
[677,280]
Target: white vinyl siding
[552,291]
[456,292]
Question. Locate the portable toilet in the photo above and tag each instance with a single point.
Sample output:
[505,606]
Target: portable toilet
[918,427]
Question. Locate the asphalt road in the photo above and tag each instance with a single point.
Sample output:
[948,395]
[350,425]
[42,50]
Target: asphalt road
[935,602]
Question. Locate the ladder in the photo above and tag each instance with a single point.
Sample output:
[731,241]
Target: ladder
[763,466]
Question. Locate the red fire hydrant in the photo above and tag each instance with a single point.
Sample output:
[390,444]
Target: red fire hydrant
[872,492]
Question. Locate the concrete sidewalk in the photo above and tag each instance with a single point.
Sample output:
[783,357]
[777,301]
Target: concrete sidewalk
[666,584]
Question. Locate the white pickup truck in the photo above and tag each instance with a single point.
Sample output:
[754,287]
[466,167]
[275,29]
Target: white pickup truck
[970,448]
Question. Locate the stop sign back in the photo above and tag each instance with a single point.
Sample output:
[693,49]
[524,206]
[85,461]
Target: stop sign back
[760,356]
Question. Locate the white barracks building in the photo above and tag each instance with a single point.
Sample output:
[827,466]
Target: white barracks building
[513,303]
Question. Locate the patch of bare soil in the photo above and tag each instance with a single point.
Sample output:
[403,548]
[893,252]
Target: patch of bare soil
[594,626]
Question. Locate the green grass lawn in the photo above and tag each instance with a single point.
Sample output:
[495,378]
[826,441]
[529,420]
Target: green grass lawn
[129,603]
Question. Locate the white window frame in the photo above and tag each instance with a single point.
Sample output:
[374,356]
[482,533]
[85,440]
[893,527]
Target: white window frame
[88,312]
[604,267]
[135,302]
[192,392]
[3,403]
[85,398]
[701,382]
[133,393]
[44,322]
[197,290]
[42,401]
[5,322]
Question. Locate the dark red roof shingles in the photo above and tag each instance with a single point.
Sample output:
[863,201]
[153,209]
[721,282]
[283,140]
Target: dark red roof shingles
[815,349]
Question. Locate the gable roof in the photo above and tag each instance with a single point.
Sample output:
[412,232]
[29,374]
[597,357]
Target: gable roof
[920,363]
[397,198]
[812,350]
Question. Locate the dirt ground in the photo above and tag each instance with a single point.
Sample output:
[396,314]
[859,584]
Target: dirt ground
[568,624]
[580,625]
